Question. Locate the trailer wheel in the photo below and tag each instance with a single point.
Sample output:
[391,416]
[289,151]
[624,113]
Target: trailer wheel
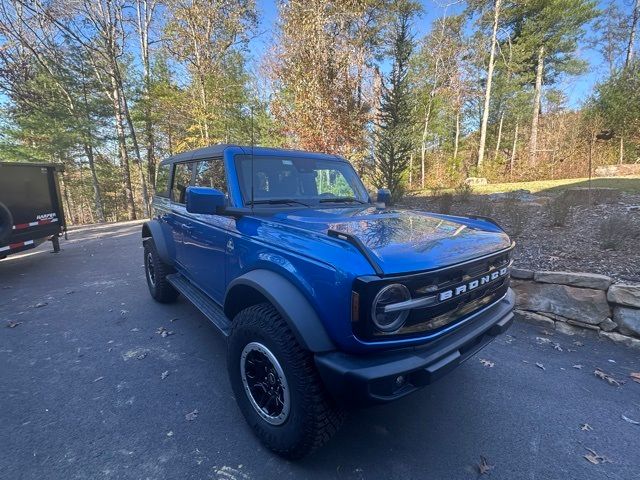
[6,223]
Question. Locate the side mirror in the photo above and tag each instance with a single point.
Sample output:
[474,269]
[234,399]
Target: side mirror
[384,197]
[205,200]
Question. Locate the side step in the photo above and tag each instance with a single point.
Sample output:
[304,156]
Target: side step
[208,307]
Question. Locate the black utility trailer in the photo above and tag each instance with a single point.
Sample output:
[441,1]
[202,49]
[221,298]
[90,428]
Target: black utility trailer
[30,206]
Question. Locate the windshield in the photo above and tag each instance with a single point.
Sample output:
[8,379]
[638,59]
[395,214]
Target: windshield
[298,181]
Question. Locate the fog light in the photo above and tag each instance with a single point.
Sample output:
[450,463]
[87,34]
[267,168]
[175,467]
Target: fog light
[400,380]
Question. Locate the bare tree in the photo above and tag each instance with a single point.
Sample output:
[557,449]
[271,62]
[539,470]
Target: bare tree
[632,33]
[487,93]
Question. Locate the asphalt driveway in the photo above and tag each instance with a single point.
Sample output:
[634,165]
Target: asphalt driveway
[90,387]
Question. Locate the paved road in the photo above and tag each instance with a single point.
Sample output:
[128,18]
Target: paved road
[81,393]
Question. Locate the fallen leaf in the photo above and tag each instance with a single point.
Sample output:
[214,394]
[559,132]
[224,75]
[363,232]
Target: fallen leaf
[191,415]
[41,304]
[483,466]
[12,324]
[594,458]
[557,346]
[123,313]
[578,343]
[635,376]
[98,379]
[142,356]
[578,367]
[487,363]
[540,365]
[585,427]
[632,422]
[170,433]
[610,380]
[69,292]
[164,375]
[543,340]
[173,319]
[163,332]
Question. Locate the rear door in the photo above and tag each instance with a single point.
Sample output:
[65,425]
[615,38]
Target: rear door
[206,237]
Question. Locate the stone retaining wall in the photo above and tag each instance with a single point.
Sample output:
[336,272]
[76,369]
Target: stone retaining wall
[578,302]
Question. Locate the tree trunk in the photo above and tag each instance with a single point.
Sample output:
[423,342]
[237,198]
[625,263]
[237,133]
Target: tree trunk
[632,33]
[423,145]
[513,150]
[122,150]
[136,150]
[621,151]
[97,195]
[411,170]
[145,10]
[499,139]
[533,141]
[456,140]
[67,202]
[487,92]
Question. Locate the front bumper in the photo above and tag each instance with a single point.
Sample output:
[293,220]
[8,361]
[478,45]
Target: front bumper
[374,378]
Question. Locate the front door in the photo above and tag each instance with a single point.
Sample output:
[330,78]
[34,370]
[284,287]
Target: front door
[206,237]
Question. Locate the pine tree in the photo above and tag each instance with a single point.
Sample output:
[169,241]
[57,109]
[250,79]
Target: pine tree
[394,135]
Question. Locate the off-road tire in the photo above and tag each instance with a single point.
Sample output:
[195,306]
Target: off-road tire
[160,289]
[6,223]
[313,417]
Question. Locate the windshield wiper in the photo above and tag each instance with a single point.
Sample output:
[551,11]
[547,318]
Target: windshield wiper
[277,201]
[342,200]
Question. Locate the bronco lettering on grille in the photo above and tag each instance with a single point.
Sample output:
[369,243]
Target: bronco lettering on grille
[472,285]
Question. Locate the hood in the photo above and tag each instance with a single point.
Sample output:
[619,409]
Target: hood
[403,241]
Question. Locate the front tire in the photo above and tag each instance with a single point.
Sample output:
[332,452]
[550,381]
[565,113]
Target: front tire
[276,384]
[156,272]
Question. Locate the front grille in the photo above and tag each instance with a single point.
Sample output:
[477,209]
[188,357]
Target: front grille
[440,314]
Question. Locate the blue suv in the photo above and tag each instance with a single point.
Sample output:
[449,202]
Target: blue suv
[328,299]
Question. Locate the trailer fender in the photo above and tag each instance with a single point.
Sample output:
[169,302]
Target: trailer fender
[153,229]
[6,223]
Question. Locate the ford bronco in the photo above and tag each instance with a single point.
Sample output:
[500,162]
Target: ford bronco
[328,299]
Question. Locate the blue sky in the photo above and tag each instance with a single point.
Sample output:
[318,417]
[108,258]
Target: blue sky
[577,89]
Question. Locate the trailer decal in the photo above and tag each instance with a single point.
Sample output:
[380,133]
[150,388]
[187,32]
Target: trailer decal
[15,246]
[22,226]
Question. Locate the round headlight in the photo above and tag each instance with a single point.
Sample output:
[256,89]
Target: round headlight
[389,322]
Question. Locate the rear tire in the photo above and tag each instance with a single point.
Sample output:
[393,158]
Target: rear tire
[265,361]
[156,272]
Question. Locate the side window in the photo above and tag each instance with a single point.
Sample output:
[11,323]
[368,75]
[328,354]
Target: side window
[210,173]
[162,180]
[181,180]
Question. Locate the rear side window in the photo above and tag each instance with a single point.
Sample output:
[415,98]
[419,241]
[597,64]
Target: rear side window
[181,180]
[210,173]
[162,180]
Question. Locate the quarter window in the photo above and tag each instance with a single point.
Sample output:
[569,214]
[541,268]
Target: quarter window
[162,180]
[210,173]
[181,180]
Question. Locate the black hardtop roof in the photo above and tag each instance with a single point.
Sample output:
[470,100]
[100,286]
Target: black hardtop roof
[218,150]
